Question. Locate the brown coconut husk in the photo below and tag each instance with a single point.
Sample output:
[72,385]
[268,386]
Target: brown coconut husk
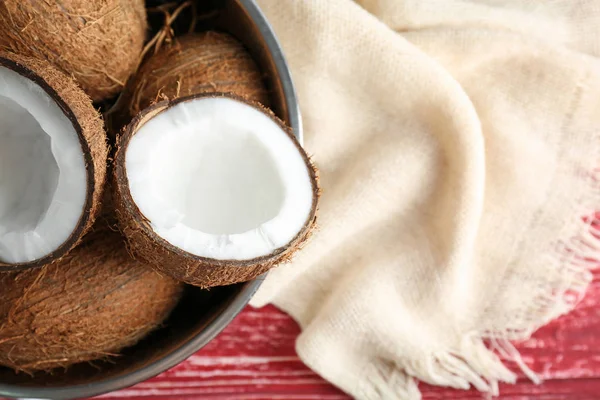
[209,62]
[89,306]
[97,41]
[203,272]
[86,120]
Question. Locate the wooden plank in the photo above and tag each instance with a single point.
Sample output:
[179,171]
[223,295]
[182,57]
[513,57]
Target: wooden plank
[254,358]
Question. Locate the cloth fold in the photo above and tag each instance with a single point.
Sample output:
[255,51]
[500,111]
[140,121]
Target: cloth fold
[457,143]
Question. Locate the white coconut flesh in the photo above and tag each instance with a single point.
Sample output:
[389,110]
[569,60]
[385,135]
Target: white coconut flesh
[217,178]
[42,172]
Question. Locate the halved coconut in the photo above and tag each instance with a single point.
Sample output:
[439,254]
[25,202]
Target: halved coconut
[213,190]
[52,163]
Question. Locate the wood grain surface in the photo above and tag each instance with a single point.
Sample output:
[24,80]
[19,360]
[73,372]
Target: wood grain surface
[254,358]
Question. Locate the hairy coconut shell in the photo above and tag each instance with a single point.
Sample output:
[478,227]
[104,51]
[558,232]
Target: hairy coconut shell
[99,42]
[195,63]
[203,272]
[92,304]
[86,120]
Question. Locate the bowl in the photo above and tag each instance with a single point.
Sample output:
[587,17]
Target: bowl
[201,314]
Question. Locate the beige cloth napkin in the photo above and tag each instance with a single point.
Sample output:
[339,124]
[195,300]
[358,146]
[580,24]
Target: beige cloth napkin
[457,142]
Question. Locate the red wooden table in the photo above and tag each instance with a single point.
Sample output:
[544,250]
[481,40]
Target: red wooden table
[254,358]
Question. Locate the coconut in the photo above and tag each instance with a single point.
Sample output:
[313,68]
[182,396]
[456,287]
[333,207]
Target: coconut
[213,190]
[208,62]
[99,42]
[91,305]
[52,163]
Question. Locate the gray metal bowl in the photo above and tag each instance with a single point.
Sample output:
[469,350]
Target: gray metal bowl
[201,315]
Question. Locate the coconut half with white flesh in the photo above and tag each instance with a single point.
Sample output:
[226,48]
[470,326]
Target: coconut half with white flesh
[213,190]
[52,163]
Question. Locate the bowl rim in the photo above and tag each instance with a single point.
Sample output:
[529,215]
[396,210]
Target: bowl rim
[238,303]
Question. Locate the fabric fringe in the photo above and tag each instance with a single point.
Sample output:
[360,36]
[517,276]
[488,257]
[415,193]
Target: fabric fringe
[479,360]
[471,365]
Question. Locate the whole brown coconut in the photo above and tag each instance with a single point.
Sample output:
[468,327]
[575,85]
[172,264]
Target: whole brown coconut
[89,306]
[208,62]
[66,112]
[97,41]
[232,195]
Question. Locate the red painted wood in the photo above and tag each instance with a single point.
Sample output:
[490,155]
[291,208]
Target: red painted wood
[254,358]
